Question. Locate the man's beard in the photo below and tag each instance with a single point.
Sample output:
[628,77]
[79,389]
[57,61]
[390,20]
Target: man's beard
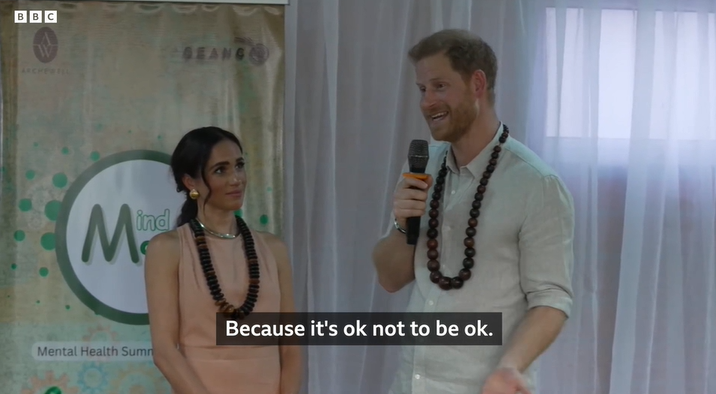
[461,118]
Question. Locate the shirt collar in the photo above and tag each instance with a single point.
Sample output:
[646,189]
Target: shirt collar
[477,166]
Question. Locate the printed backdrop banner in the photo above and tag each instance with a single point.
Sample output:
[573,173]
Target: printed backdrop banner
[93,106]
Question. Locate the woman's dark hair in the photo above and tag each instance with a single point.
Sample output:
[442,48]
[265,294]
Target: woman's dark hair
[190,157]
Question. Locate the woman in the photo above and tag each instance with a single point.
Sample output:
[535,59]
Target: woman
[185,291]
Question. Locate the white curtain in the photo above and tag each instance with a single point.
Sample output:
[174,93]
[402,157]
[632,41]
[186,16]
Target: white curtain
[619,96]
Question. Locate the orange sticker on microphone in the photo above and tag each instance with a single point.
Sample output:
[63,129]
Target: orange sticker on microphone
[422,177]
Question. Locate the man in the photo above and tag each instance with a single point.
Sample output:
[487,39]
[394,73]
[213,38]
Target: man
[516,259]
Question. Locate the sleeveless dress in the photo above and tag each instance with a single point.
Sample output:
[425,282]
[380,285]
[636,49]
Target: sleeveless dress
[226,369]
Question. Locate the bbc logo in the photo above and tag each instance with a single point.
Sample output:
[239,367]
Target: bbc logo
[50,16]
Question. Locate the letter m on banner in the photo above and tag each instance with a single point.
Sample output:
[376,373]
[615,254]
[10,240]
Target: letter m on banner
[109,248]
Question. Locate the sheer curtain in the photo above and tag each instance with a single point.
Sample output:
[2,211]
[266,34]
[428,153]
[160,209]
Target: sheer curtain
[618,96]
[625,109]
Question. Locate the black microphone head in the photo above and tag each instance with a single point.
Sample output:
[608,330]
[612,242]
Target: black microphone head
[418,156]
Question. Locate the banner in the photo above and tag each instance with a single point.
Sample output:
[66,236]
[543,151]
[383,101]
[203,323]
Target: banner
[94,102]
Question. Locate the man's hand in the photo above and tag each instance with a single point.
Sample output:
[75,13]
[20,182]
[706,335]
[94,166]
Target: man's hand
[505,381]
[410,199]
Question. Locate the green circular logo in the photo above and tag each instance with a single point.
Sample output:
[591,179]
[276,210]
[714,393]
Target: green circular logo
[106,220]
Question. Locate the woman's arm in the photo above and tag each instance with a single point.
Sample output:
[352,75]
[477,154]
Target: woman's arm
[291,372]
[161,279]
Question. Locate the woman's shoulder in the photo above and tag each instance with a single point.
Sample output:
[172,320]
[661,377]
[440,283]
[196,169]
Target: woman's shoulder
[165,242]
[166,237]
[271,240]
[162,255]
[275,245]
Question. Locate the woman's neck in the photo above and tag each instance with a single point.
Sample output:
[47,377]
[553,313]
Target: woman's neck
[218,221]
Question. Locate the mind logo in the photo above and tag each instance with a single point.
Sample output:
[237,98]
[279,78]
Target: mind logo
[107,218]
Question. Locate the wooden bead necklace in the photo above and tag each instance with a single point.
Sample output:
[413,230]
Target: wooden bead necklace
[444,282]
[252,261]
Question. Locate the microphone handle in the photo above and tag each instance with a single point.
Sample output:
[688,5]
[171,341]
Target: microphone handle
[413,223]
[413,232]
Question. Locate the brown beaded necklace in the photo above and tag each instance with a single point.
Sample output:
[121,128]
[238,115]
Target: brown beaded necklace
[444,282]
[210,275]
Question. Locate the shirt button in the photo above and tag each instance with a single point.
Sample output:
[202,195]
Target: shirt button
[431,302]
[452,192]
[417,376]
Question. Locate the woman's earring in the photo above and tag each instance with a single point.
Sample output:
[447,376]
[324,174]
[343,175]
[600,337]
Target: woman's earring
[193,194]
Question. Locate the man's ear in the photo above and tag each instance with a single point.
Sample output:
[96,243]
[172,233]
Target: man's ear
[479,83]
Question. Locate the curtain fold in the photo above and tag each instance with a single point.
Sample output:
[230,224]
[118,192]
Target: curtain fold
[616,95]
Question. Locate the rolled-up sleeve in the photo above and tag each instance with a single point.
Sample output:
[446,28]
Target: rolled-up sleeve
[546,246]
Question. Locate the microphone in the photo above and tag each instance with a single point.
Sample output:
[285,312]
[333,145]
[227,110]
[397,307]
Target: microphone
[417,161]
